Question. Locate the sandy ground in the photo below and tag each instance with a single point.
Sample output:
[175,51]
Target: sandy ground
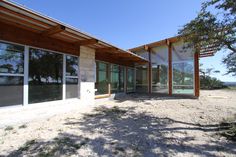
[138,125]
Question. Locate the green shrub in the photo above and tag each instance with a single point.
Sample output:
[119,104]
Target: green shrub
[8,128]
[207,82]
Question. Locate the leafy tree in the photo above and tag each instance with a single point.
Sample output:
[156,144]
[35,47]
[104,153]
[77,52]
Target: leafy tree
[214,28]
[230,63]
[208,82]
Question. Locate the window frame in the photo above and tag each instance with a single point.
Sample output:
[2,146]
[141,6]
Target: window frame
[16,74]
[25,75]
[69,77]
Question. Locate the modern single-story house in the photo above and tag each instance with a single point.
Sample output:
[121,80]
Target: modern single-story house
[42,60]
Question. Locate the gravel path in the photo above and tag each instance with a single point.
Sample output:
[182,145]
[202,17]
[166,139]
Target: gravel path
[138,125]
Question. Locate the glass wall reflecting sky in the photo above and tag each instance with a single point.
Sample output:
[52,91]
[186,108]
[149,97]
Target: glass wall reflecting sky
[183,69]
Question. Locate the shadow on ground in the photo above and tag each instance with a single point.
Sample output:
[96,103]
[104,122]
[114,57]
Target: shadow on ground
[124,132]
[142,97]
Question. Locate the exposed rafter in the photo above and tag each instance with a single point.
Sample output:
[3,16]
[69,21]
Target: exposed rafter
[146,48]
[86,42]
[167,42]
[53,30]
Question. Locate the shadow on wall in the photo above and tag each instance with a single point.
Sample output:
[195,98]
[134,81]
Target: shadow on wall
[123,132]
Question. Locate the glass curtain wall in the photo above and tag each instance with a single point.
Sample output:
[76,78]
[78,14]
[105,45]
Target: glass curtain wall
[11,74]
[159,58]
[183,69]
[142,78]
[142,74]
[130,80]
[102,78]
[117,78]
[72,67]
[45,75]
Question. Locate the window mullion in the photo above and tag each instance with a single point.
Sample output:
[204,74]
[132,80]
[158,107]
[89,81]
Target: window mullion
[26,76]
[64,78]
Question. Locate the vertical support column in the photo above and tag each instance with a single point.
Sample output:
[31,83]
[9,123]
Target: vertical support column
[26,76]
[64,78]
[135,78]
[196,74]
[125,79]
[149,72]
[170,67]
[109,79]
[87,75]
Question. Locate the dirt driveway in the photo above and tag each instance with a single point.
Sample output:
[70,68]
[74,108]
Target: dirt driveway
[138,125]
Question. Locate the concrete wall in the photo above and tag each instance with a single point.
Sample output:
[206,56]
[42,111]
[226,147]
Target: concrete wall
[87,72]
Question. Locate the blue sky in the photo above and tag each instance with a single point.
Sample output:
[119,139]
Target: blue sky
[127,23]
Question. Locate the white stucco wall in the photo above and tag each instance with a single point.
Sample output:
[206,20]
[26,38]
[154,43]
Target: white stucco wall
[87,74]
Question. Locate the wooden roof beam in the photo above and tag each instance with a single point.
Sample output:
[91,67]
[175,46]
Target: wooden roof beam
[146,48]
[53,30]
[122,54]
[167,42]
[86,42]
[108,49]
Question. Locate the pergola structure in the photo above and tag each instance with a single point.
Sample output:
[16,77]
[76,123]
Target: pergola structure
[204,51]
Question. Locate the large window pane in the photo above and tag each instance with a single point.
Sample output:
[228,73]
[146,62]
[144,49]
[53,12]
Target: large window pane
[183,69]
[142,78]
[102,78]
[45,76]
[160,69]
[130,80]
[71,88]
[71,66]
[117,79]
[71,77]
[142,73]
[121,79]
[11,74]
[11,90]
[183,78]
[11,59]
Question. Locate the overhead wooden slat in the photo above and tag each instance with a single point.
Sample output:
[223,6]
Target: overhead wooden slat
[71,35]
[18,23]
[16,14]
[53,30]
[86,42]
[210,55]
[64,38]
[21,22]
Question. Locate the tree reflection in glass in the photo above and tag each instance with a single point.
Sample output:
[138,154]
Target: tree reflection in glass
[12,59]
[45,76]
[11,74]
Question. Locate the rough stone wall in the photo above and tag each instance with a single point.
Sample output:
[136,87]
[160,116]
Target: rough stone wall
[87,74]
